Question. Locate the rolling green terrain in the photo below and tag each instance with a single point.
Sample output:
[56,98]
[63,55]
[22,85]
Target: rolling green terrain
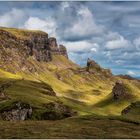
[81,127]
[89,93]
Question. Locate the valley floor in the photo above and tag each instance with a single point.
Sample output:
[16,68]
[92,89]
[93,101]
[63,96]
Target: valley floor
[77,127]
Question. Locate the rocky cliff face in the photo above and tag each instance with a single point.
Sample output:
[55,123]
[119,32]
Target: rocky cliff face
[15,43]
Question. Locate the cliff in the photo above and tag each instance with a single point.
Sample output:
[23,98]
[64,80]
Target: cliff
[17,45]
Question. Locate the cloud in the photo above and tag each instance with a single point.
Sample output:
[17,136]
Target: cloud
[137,43]
[36,23]
[85,24]
[64,5]
[82,24]
[105,31]
[15,17]
[94,49]
[81,46]
[117,43]
[131,73]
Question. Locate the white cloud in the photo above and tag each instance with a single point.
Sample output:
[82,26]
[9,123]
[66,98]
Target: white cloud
[131,72]
[112,35]
[81,46]
[84,25]
[12,18]
[64,5]
[36,23]
[117,43]
[137,43]
[78,46]
[94,49]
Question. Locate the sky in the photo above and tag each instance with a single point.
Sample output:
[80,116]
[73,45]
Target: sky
[108,32]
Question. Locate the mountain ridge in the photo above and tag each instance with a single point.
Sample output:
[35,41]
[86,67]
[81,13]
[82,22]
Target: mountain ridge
[35,44]
[35,65]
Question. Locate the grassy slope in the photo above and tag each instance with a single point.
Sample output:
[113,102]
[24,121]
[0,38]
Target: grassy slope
[134,112]
[86,93]
[81,127]
[22,33]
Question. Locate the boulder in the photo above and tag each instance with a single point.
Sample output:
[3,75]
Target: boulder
[18,111]
[120,91]
[57,110]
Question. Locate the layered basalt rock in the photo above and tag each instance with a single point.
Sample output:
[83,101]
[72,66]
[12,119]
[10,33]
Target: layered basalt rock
[18,45]
[53,45]
[55,49]
[63,50]
[38,47]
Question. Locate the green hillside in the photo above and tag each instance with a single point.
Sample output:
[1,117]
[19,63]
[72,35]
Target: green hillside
[87,92]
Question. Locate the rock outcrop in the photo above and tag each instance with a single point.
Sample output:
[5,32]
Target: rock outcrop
[93,67]
[63,50]
[92,64]
[121,91]
[53,45]
[17,112]
[57,110]
[15,43]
